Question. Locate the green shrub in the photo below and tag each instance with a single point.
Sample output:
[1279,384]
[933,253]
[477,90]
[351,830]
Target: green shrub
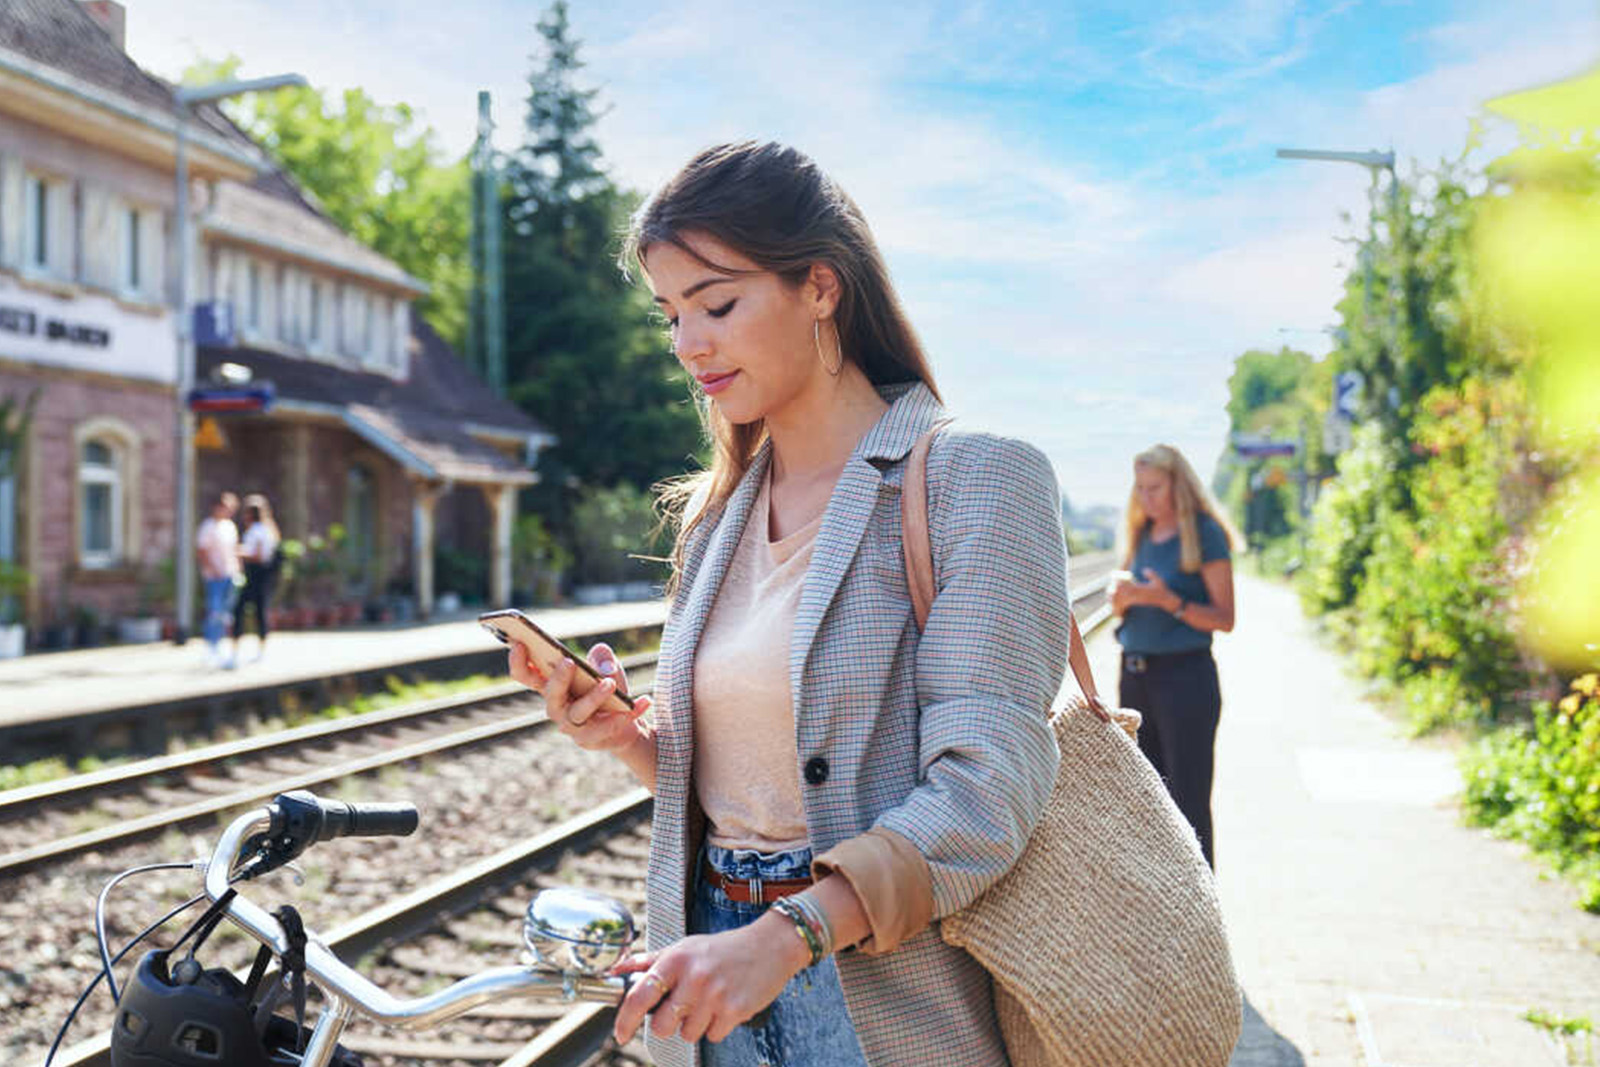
[1434,600]
[610,529]
[1540,783]
[1344,522]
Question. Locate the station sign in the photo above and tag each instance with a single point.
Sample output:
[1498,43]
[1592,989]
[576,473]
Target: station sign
[1263,447]
[249,399]
[86,331]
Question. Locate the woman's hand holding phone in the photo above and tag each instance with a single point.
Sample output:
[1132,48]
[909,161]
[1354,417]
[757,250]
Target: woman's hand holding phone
[584,718]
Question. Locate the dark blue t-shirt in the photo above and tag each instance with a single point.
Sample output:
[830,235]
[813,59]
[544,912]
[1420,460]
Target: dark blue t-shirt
[1152,631]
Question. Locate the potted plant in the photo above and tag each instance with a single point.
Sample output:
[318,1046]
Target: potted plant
[85,626]
[538,560]
[156,592]
[14,585]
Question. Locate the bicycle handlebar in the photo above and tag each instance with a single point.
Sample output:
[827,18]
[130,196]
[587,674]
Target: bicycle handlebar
[310,818]
[349,986]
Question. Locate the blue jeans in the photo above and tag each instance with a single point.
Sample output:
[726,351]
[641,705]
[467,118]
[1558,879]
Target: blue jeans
[808,1025]
[218,592]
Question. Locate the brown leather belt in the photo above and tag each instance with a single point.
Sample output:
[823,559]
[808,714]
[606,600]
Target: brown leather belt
[754,890]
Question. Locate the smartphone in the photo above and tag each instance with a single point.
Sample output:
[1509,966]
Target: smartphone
[547,653]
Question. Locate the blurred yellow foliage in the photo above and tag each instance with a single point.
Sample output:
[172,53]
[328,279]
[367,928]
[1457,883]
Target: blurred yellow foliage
[1539,249]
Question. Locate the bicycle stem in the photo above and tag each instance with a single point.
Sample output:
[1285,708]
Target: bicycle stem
[348,987]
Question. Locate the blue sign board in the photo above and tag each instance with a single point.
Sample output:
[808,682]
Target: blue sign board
[1347,393]
[213,324]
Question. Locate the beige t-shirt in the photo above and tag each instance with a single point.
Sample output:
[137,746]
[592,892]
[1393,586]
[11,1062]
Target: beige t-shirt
[744,752]
[745,759]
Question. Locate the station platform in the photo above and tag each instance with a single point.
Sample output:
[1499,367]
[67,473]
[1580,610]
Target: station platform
[40,688]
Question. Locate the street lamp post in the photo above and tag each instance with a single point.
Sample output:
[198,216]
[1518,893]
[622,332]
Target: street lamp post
[185,97]
[1374,162]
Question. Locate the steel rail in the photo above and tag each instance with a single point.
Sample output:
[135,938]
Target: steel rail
[125,775]
[14,863]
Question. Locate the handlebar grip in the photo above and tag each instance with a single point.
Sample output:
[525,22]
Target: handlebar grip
[340,819]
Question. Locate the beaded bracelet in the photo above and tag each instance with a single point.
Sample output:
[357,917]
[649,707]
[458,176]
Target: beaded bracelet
[819,920]
[808,924]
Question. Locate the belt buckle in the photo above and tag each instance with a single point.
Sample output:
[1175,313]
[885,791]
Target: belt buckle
[1137,664]
[755,890]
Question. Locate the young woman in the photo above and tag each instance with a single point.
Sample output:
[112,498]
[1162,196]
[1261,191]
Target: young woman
[1177,549]
[827,781]
[258,550]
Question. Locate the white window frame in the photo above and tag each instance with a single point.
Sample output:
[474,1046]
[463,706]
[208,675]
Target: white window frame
[36,230]
[252,296]
[132,228]
[314,331]
[109,475]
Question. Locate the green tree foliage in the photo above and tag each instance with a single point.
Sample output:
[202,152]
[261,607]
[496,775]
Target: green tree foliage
[377,175]
[583,354]
[1407,322]
[1281,395]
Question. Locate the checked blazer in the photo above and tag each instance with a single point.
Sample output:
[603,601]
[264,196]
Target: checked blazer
[940,736]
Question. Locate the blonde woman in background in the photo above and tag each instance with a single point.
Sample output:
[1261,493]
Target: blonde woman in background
[258,550]
[1175,592]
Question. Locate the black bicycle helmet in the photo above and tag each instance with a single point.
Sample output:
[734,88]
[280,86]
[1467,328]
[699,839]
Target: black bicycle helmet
[162,1022]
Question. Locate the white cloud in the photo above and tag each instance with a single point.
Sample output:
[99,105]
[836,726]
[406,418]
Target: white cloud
[1092,312]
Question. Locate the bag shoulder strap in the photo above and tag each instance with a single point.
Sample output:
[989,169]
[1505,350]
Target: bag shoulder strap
[917,544]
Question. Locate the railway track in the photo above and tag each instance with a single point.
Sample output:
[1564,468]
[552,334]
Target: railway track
[134,801]
[57,820]
[470,920]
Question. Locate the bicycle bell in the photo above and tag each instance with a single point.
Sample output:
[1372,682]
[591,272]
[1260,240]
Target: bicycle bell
[577,931]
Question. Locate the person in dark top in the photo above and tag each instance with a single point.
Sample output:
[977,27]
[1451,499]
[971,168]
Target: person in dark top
[1175,591]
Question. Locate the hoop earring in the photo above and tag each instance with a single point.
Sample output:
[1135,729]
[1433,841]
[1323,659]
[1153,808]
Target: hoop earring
[816,338]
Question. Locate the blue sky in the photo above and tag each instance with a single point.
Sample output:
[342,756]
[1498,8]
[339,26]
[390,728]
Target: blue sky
[1079,202]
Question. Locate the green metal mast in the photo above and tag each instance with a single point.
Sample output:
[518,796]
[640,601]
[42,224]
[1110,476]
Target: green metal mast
[486,323]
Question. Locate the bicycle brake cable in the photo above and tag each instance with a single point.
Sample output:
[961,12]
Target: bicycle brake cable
[100,914]
[140,936]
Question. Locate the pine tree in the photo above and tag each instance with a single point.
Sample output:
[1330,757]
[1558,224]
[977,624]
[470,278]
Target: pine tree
[583,355]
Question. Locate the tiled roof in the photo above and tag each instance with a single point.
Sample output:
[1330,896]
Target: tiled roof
[63,35]
[273,214]
[426,416]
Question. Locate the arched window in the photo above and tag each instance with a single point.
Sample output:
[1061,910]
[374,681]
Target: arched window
[101,518]
[108,460]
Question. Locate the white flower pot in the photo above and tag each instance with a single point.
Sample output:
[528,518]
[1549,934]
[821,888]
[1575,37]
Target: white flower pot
[138,631]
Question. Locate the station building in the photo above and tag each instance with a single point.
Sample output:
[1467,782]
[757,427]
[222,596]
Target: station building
[378,426]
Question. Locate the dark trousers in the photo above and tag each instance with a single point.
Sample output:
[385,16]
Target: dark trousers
[256,592]
[1181,702]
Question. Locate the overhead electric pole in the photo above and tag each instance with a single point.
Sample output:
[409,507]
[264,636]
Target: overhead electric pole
[486,323]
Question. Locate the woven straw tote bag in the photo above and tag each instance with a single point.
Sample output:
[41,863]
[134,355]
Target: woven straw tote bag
[1105,940]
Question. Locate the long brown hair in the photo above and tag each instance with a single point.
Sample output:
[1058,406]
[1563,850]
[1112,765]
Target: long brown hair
[773,205]
[1191,499]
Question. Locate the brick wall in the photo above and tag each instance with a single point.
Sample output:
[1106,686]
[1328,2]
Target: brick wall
[139,418]
[261,457]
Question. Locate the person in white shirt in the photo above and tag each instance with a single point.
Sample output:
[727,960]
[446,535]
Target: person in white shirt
[259,552]
[216,546]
